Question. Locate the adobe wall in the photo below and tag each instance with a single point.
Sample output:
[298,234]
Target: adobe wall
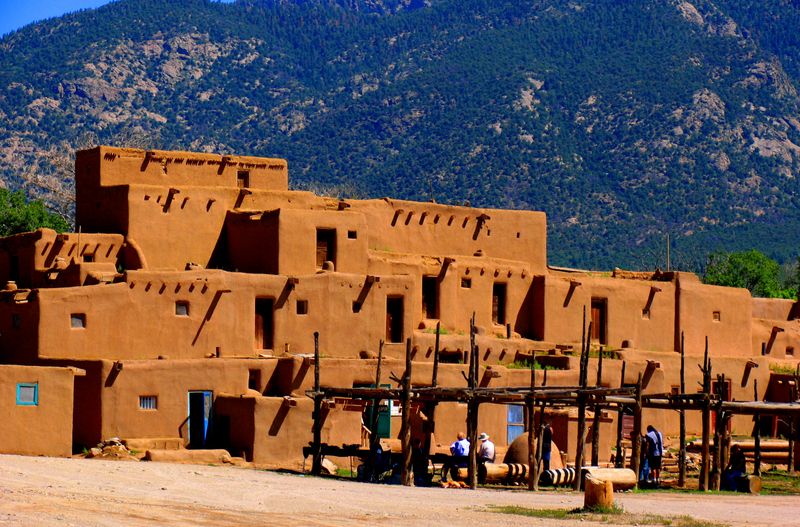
[170,382]
[44,258]
[778,339]
[106,166]
[724,314]
[444,230]
[43,429]
[640,314]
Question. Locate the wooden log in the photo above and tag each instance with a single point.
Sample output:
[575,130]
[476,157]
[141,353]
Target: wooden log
[405,429]
[751,484]
[619,458]
[376,403]
[636,436]
[597,493]
[621,478]
[316,465]
[706,421]
[756,435]
[505,472]
[581,402]
[530,406]
[472,410]
[682,421]
[596,417]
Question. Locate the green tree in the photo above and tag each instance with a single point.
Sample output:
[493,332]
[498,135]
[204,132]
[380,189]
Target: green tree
[751,270]
[17,214]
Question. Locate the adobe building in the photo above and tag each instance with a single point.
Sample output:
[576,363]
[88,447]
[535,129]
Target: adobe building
[183,311]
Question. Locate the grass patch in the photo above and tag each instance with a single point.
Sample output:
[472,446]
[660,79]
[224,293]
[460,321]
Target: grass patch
[345,473]
[779,482]
[782,368]
[615,516]
[442,331]
[525,364]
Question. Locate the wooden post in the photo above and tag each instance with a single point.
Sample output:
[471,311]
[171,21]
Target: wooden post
[756,435]
[539,439]
[405,430]
[716,469]
[316,466]
[682,416]
[706,419]
[792,428]
[530,406]
[581,402]
[430,408]
[636,436]
[376,403]
[619,459]
[472,410]
[596,418]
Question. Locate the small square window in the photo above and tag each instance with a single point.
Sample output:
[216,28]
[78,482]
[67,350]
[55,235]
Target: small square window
[16,321]
[352,235]
[88,257]
[789,351]
[302,307]
[77,320]
[182,308]
[716,317]
[148,402]
[646,314]
[28,394]
[466,283]
[356,306]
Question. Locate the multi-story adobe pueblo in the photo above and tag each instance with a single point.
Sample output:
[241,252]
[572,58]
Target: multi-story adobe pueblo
[182,312]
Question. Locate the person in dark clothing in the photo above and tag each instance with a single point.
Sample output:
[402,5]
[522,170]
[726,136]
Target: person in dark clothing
[655,450]
[736,470]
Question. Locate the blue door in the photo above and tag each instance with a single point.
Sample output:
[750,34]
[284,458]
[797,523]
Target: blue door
[199,417]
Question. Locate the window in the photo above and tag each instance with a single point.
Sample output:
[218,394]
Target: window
[243,178]
[646,313]
[352,235]
[515,422]
[717,316]
[265,308]
[466,283]
[302,307]
[182,308]
[148,402]
[77,320]
[789,351]
[28,394]
[356,306]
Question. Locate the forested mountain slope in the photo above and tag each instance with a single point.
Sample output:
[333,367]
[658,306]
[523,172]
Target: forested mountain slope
[623,120]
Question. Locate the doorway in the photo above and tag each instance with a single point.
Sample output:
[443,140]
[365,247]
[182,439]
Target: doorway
[199,417]
[499,304]
[265,309]
[326,247]
[430,297]
[599,320]
[394,319]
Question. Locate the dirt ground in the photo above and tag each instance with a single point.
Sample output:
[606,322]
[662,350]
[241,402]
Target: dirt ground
[87,493]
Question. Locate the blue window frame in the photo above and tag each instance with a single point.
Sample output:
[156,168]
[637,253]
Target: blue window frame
[28,394]
[515,422]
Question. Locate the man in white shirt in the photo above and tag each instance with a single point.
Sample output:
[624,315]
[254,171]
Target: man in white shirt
[486,454]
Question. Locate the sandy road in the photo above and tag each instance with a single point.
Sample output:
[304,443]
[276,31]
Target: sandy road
[87,493]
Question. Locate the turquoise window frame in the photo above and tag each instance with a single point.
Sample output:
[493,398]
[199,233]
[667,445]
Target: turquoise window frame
[35,386]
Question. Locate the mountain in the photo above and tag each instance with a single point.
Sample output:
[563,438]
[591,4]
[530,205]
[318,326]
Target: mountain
[625,121]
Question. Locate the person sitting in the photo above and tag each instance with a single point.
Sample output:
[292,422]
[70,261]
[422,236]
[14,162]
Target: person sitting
[459,451]
[736,471]
[486,454]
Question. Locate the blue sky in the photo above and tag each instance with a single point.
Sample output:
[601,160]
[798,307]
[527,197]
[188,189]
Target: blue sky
[17,13]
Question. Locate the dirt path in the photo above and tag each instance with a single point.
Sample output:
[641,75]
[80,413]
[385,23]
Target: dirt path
[87,493]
